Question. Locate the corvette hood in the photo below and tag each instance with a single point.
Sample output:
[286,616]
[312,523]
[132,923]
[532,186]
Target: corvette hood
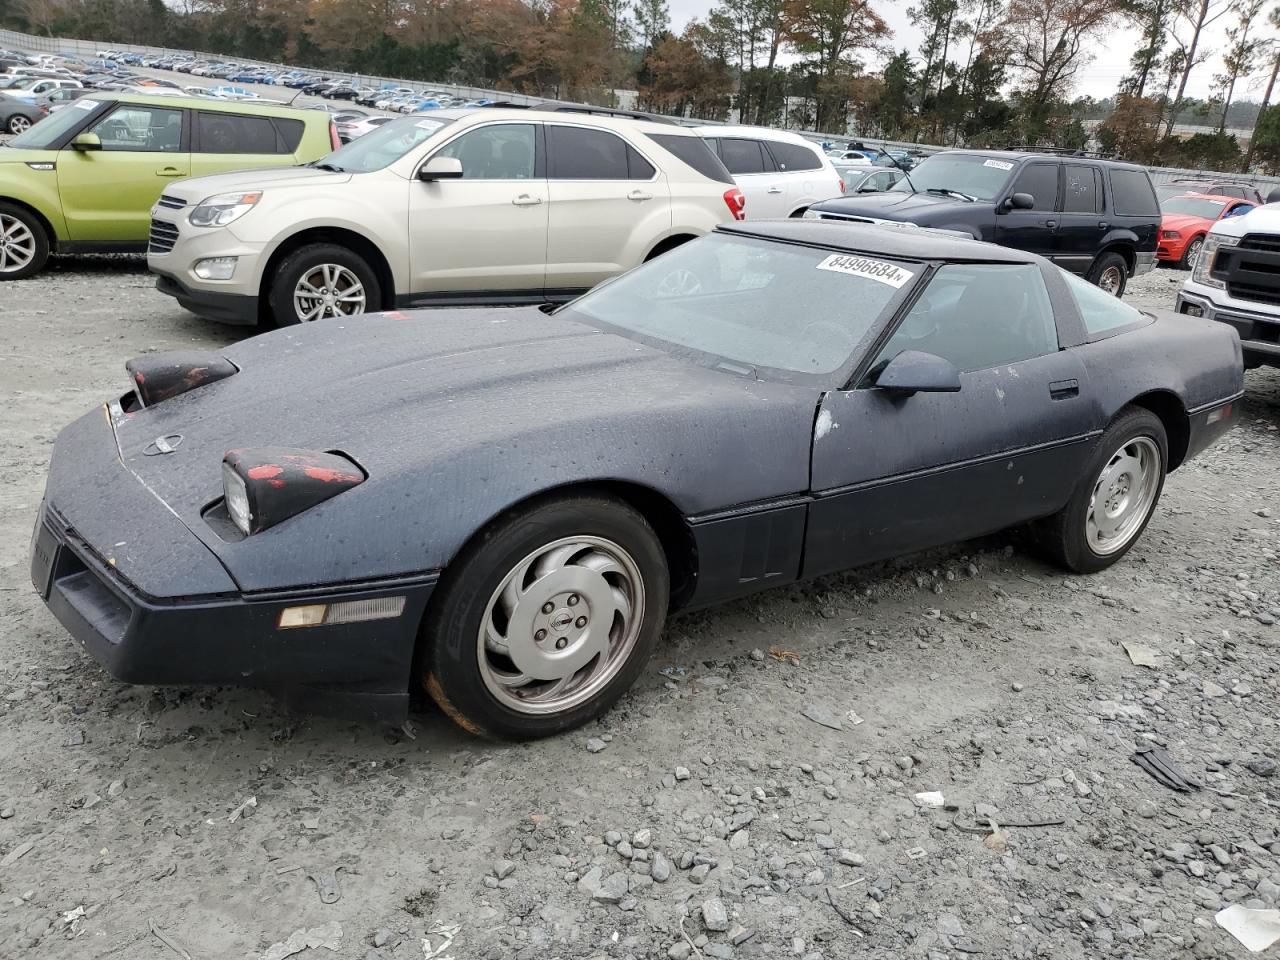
[889,205]
[454,415]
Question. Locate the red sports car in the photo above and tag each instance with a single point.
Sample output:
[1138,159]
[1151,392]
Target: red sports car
[1186,218]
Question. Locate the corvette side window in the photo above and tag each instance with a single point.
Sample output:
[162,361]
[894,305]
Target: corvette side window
[977,316]
[1100,310]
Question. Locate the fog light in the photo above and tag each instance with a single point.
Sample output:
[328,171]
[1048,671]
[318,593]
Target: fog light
[348,611]
[215,268]
[1192,309]
[308,616]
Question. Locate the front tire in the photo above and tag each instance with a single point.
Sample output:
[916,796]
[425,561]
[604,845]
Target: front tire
[17,124]
[24,246]
[1110,273]
[1191,254]
[320,281]
[1114,500]
[546,618]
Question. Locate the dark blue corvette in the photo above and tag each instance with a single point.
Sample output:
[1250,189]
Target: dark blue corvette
[501,506]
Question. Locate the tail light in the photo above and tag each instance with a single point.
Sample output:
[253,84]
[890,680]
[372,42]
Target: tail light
[841,182]
[736,203]
[333,135]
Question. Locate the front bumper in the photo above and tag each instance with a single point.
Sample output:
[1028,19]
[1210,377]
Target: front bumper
[1171,250]
[1259,332]
[237,309]
[358,669]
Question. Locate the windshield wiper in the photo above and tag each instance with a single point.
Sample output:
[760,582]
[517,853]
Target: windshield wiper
[944,191]
[331,167]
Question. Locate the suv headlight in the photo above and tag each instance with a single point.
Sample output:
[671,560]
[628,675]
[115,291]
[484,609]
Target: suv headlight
[223,209]
[1208,254]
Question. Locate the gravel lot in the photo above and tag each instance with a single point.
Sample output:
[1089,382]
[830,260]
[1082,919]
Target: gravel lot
[717,821]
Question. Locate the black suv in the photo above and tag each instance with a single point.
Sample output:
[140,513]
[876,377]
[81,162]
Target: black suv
[1097,218]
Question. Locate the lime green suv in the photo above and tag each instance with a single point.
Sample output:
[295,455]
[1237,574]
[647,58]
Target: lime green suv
[84,179]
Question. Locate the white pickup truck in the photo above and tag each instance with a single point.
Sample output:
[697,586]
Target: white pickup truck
[1236,279]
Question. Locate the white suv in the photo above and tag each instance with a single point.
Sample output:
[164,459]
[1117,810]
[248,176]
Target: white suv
[479,206]
[780,173]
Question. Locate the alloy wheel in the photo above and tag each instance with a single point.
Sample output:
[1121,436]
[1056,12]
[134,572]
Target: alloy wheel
[1123,495]
[19,124]
[17,244]
[1110,281]
[328,290]
[561,625]
[1193,252]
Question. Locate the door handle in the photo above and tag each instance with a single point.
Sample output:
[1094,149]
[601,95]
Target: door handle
[1103,225]
[639,195]
[775,189]
[524,200]
[169,172]
[1064,389]
[1051,223]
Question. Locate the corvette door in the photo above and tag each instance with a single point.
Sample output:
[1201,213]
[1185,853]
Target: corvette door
[894,474]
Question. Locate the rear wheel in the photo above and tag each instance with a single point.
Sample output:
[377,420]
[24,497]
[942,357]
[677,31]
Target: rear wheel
[24,246]
[1110,273]
[546,618]
[17,124]
[320,281]
[1114,501]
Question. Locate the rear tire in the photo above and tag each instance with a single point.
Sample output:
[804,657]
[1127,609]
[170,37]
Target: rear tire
[1116,495]
[320,281]
[546,618]
[1110,273]
[24,245]
[17,124]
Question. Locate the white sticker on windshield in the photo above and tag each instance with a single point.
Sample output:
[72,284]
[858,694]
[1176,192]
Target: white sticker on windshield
[998,164]
[879,270]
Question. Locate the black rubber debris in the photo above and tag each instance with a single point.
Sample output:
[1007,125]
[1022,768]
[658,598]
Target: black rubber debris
[1157,762]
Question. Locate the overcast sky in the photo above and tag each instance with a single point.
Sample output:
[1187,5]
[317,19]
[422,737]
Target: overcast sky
[1099,78]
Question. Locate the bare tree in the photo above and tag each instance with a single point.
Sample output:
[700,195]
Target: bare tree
[1239,59]
[1198,14]
[1049,44]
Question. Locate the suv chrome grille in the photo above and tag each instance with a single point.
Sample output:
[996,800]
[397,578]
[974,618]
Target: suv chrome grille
[163,236]
[173,203]
[1251,269]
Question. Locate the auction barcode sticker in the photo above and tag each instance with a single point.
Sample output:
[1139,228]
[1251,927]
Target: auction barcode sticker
[998,164]
[879,270]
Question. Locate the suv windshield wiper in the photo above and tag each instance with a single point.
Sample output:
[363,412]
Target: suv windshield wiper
[950,193]
[331,167]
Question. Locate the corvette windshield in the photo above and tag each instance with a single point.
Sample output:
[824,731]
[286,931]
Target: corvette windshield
[976,177]
[383,146]
[753,306]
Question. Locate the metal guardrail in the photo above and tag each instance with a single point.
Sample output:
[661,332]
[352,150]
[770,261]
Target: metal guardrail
[88,49]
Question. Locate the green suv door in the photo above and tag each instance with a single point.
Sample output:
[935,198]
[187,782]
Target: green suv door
[108,187]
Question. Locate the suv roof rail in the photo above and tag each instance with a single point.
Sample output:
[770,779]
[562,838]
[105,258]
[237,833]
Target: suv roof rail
[608,112]
[1064,152]
[1235,181]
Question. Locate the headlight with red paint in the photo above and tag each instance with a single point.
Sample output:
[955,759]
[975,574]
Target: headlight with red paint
[264,486]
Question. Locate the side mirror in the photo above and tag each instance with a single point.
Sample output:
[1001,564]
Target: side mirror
[1019,201]
[868,189]
[440,168]
[1274,196]
[87,141]
[915,372]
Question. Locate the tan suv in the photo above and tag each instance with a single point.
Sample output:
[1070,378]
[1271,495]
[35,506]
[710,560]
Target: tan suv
[480,206]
